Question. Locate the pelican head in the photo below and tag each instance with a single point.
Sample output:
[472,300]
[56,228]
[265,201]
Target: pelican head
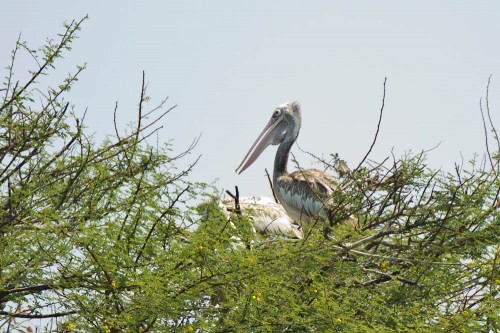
[283,125]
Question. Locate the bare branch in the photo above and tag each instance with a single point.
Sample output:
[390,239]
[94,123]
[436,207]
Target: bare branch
[388,277]
[36,316]
[271,185]
[493,128]
[143,94]
[236,199]
[485,133]
[376,133]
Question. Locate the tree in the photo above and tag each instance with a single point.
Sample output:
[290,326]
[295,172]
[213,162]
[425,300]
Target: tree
[111,237]
[83,228]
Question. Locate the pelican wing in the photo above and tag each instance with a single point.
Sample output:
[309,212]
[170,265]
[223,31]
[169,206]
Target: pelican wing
[304,193]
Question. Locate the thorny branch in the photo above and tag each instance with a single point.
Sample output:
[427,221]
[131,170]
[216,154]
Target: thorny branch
[37,316]
[31,173]
[71,29]
[236,198]
[271,186]
[376,133]
[492,127]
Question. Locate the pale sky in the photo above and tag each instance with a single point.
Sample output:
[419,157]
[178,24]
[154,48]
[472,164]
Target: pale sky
[228,64]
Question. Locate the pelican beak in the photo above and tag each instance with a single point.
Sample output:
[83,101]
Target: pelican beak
[271,135]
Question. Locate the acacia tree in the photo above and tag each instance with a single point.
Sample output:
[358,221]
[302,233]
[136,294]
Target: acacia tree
[102,237]
[83,227]
[424,258]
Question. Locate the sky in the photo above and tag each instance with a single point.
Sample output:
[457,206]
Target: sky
[228,64]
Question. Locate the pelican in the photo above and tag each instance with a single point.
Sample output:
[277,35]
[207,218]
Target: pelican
[303,193]
[267,216]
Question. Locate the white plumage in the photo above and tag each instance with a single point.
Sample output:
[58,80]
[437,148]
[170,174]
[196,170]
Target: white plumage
[266,215]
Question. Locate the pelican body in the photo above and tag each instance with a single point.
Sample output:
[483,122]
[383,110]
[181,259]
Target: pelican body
[267,216]
[302,193]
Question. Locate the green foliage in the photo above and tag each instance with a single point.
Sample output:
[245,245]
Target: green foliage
[112,237]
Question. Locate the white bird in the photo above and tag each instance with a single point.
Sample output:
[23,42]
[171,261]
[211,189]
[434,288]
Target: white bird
[266,215]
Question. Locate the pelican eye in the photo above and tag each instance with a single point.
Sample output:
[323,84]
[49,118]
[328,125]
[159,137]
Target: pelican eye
[276,113]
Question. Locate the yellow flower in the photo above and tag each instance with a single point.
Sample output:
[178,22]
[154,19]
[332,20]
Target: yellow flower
[113,284]
[315,290]
[70,326]
[200,247]
[488,267]
[106,329]
[383,264]
[190,328]
[339,320]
